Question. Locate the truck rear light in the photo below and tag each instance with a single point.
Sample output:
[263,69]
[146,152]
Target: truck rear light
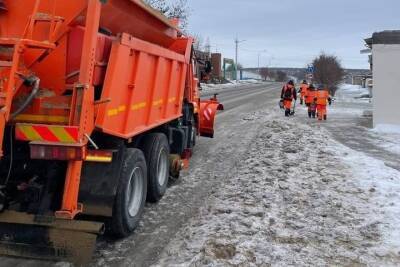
[105,156]
[49,152]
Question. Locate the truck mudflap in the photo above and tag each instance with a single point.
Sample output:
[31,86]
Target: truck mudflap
[48,238]
[208,111]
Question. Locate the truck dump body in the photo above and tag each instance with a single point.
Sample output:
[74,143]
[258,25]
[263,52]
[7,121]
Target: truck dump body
[145,84]
[99,105]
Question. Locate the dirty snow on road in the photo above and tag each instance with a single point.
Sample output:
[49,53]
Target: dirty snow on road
[297,198]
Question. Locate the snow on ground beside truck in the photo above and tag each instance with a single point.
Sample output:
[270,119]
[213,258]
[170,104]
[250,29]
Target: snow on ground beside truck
[298,198]
[232,84]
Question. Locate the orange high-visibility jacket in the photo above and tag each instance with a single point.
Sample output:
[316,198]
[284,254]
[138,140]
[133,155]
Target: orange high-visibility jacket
[303,89]
[310,95]
[322,97]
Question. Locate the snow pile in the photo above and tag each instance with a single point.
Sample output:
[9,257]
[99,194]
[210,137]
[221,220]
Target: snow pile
[251,75]
[352,93]
[212,86]
[387,137]
[387,128]
[381,186]
[232,84]
[348,102]
[299,198]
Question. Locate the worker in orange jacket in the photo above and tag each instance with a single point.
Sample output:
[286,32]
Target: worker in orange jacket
[309,100]
[287,95]
[322,99]
[303,91]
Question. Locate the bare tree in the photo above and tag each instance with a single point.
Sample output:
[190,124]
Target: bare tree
[281,76]
[198,42]
[176,9]
[160,5]
[264,73]
[328,71]
[180,9]
[272,75]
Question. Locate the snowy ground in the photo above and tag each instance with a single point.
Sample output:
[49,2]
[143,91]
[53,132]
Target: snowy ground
[232,84]
[351,103]
[387,138]
[297,197]
[352,93]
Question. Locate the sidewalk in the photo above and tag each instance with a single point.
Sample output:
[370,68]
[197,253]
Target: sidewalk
[350,123]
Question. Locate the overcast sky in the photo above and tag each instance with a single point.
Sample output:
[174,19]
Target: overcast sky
[292,31]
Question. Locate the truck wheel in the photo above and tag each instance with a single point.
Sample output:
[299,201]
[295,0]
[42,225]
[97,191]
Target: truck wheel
[156,151]
[131,193]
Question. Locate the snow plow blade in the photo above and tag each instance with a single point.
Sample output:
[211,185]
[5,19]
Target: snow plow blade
[48,238]
[208,111]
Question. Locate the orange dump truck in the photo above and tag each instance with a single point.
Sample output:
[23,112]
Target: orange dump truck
[99,108]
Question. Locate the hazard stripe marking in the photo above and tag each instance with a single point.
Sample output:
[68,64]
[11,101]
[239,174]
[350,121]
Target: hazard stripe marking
[59,134]
[73,132]
[46,134]
[30,133]
[62,134]
[19,135]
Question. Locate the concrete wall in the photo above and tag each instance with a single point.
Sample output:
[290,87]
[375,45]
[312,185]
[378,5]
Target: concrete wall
[386,76]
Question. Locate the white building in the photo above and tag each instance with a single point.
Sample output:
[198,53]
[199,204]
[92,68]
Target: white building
[385,64]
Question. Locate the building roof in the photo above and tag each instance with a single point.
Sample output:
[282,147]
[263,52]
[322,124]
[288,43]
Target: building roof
[384,37]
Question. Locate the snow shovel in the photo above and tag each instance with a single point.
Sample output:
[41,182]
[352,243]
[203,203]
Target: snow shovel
[293,111]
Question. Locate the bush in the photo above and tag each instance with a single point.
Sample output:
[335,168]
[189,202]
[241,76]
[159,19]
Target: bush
[264,73]
[328,71]
[281,76]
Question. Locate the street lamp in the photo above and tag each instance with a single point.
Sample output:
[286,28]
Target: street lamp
[237,42]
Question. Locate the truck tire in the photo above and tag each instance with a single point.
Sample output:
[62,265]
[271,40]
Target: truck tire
[131,193]
[156,151]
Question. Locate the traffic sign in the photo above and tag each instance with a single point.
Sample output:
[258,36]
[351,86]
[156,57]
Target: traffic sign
[310,69]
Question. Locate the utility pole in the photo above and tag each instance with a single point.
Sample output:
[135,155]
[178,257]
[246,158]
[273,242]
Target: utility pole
[236,59]
[259,55]
[208,46]
[237,42]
